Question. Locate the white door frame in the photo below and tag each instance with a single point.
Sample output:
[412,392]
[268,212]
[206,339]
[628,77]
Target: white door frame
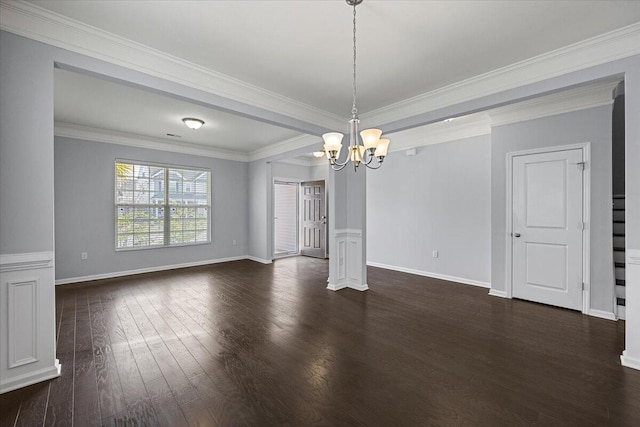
[586,212]
[272,224]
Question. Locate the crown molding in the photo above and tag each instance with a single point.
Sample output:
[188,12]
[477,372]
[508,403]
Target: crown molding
[295,162]
[582,98]
[478,124]
[282,147]
[436,133]
[69,130]
[615,45]
[37,23]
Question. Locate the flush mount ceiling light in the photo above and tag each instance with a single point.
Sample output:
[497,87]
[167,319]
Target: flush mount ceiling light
[372,146]
[193,123]
[318,153]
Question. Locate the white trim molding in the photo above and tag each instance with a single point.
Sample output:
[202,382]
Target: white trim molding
[628,361]
[69,130]
[23,301]
[609,315]
[336,287]
[124,273]
[285,146]
[348,260]
[27,316]
[498,293]
[30,378]
[37,23]
[446,277]
[436,133]
[618,44]
[26,261]
[566,101]
[260,260]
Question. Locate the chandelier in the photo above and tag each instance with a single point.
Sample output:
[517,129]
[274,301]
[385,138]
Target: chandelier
[372,145]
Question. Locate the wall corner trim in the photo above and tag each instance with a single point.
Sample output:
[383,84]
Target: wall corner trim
[498,293]
[629,362]
[26,261]
[609,315]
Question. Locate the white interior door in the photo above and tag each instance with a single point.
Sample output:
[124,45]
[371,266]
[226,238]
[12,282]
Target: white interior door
[547,228]
[314,219]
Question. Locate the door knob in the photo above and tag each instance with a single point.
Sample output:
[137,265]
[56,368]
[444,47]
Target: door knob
[516,234]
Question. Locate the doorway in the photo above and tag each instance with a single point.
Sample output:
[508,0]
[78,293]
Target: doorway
[286,225]
[314,219]
[547,241]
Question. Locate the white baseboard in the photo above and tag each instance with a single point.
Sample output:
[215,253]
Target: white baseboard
[363,287]
[260,260]
[498,293]
[602,314]
[147,270]
[31,378]
[629,362]
[432,275]
[334,287]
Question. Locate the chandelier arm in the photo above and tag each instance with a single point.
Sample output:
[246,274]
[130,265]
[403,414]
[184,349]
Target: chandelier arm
[340,166]
[369,155]
[336,162]
[378,165]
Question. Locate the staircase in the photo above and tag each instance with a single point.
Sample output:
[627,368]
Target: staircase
[619,252]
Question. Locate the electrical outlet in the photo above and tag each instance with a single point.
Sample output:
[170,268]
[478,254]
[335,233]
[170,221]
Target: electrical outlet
[84,256]
[434,254]
[235,242]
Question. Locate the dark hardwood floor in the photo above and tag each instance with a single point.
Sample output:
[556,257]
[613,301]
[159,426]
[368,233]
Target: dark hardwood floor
[243,343]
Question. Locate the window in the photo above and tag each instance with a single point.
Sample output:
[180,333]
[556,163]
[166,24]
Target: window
[160,206]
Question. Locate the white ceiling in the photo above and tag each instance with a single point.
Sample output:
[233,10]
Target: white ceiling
[301,50]
[88,101]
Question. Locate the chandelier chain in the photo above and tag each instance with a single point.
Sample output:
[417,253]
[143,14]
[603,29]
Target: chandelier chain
[354,110]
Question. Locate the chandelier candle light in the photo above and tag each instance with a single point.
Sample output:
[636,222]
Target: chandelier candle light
[372,145]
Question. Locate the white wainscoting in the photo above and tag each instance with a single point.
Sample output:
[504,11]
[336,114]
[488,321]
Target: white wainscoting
[348,262]
[27,310]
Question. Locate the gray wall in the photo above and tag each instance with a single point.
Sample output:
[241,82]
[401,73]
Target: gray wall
[26,151]
[320,172]
[288,170]
[259,210]
[84,210]
[592,125]
[437,200]
[618,142]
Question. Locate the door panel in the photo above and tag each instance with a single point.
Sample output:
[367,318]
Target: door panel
[285,237]
[547,228]
[313,219]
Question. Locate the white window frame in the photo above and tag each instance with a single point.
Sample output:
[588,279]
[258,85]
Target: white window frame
[166,205]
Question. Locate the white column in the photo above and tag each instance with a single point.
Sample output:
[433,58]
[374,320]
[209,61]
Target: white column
[27,334]
[347,229]
[631,355]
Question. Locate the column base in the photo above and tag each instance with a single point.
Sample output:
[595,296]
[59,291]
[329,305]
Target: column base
[336,287]
[629,362]
[31,378]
